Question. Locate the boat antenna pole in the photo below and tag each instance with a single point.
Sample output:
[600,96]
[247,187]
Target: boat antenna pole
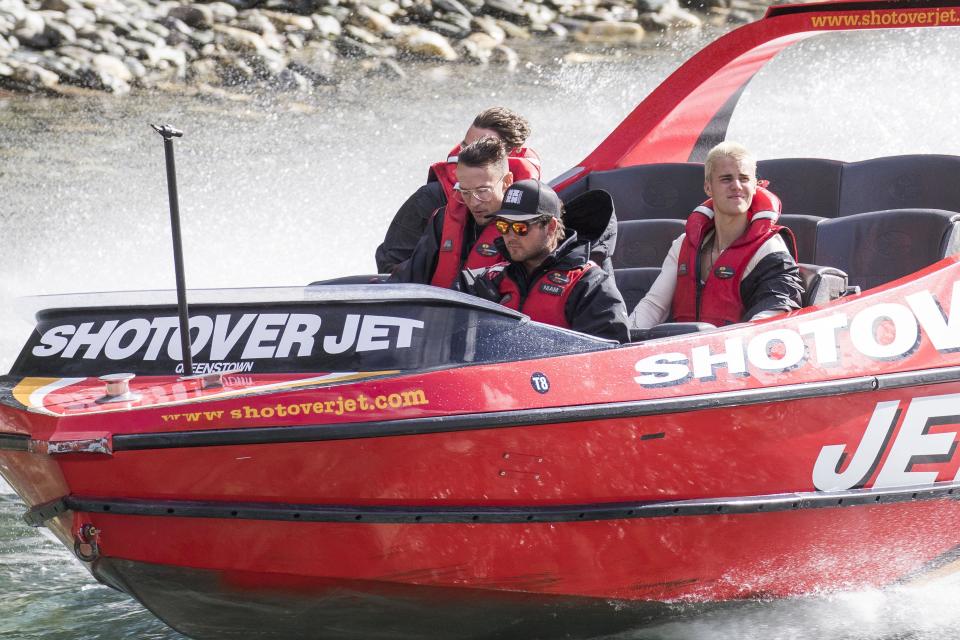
[169,133]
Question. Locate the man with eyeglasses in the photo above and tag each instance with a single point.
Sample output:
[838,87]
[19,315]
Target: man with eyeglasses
[550,276]
[411,219]
[459,236]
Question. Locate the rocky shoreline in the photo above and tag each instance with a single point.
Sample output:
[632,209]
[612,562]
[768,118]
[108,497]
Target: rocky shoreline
[65,47]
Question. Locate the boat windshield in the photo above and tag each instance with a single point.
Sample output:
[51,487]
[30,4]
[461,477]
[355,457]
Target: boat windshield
[288,330]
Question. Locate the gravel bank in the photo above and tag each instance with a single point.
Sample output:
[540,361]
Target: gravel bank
[65,47]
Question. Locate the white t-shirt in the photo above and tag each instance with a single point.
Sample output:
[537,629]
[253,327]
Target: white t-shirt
[655,306]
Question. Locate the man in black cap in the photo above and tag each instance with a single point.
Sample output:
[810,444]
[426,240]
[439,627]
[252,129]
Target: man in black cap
[550,276]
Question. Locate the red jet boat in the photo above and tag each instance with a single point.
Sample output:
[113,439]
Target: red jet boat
[393,461]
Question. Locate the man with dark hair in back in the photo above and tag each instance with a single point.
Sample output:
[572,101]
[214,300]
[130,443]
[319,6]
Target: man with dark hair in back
[512,128]
[459,235]
[410,221]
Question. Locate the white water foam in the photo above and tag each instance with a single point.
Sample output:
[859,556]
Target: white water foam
[914,612]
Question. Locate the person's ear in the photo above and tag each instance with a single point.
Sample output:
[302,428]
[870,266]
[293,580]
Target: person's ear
[507,180]
[706,188]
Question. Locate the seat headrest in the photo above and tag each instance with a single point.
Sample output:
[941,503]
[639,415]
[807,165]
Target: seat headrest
[589,213]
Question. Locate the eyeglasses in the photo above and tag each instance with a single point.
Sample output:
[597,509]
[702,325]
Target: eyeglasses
[482,194]
[519,228]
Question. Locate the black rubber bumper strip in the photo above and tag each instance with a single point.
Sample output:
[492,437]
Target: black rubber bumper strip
[492,515]
[14,442]
[527,417]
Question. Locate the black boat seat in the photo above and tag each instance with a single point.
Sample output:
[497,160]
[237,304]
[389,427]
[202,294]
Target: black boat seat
[821,284]
[634,283]
[805,231]
[880,246]
[645,243]
[805,186]
[650,191]
[900,182]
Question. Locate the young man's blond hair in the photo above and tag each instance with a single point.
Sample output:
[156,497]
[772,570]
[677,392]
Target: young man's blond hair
[733,150]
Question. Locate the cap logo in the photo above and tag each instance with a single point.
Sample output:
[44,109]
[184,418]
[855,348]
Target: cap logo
[513,196]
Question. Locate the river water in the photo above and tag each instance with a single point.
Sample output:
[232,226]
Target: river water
[284,191]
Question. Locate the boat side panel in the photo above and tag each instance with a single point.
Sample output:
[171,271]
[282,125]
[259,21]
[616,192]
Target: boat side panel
[748,450]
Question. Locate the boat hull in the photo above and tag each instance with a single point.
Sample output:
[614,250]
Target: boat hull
[297,579]
[527,527]
[218,604]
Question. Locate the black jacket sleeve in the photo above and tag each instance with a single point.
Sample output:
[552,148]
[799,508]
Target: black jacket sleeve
[596,307]
[422,263]
[480,283]
[408,225]
[773,285]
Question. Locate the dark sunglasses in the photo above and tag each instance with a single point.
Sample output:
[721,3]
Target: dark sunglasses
[519,228]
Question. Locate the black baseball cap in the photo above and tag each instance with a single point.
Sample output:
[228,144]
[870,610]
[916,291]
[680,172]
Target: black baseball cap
[529,199]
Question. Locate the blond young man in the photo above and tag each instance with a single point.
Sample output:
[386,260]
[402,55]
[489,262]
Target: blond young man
[732,264]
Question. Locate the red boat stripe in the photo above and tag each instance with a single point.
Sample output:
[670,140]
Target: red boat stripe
[492,420]
[783,10]
[494,515]
[526,417]
[507,419]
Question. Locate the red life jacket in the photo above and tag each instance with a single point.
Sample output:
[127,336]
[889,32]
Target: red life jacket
[546,302]
[719,296]
[524,163]
[484,252]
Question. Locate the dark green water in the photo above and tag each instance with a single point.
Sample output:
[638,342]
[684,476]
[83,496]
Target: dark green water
[45,594]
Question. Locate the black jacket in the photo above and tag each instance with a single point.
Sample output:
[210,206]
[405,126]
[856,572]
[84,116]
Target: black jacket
[408,225]
[421,265]
[773,285]
[594,306]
